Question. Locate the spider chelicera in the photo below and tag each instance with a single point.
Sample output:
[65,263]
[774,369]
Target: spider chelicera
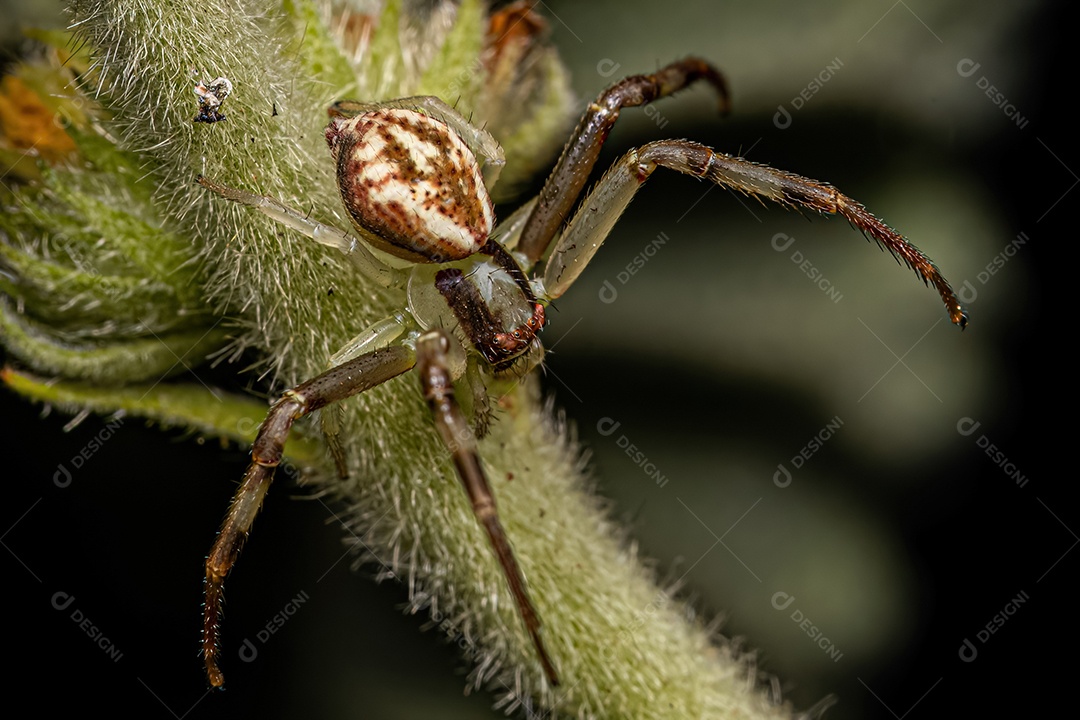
[411,181]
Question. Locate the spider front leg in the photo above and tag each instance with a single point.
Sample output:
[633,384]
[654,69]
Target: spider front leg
[350,378]
[432,362]
[599,211]
[564,185]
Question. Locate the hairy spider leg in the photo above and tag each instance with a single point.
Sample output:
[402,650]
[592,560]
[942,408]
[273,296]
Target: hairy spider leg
[563,187]
[379,335]
[355,376]
[599,211]
[361,258]
[432,363]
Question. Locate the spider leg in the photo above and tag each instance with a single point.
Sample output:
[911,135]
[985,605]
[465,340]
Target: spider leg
[431,360]
[372,268]
[379,335]
[566,181]
[599,211]
[355,376]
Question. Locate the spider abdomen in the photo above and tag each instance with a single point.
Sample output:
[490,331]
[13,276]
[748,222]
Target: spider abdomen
[411,186]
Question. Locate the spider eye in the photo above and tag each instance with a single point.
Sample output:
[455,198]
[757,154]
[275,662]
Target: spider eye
[411,185]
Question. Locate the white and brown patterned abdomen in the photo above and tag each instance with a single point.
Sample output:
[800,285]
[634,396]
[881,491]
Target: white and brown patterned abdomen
[412,187]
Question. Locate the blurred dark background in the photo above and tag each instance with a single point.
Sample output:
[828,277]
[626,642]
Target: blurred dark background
[899,539]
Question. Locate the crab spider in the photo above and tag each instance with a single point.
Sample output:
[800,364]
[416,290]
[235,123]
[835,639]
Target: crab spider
[413,176]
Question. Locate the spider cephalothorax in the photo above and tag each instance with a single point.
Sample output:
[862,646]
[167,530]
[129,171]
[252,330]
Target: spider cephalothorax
[413,176]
